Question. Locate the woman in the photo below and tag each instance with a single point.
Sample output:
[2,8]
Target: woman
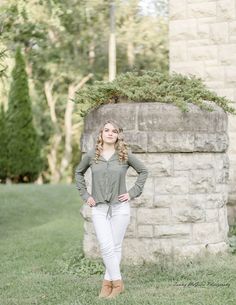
[110,201]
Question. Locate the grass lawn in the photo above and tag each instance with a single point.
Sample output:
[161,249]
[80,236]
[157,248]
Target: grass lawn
[41,261]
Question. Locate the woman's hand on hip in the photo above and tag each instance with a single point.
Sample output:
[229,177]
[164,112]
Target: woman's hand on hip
[124,197]
[91,202]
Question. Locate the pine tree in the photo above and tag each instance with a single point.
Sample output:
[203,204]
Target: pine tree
[3,152]
[24,161]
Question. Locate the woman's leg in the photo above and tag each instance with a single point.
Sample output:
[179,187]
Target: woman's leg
[103,229]
[119,224]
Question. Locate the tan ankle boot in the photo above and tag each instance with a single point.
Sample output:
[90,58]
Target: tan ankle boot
[106,289]
[117,288]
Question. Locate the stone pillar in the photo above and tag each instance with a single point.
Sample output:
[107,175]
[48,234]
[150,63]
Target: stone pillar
[182,210]
[202,41]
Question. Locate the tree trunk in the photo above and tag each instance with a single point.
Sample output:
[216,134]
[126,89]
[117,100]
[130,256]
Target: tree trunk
[56,139]
[112,43]
[130,53]
[66,159]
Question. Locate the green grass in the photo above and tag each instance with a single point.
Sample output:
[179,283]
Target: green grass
[41,259]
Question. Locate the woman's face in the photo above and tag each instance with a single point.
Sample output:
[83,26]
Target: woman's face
[109,134]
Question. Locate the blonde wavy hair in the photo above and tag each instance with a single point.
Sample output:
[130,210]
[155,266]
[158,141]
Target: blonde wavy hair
[120,146]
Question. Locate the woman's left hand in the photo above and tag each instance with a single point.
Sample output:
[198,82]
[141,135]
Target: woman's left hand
[124,197]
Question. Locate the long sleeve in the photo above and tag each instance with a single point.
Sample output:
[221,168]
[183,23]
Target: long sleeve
[79,177]
[142,171]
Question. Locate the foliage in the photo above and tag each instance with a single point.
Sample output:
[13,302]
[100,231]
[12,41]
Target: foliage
[151,86]
[232,238]
[75,262]
[23,148]
[3,153]
[142,40]
[2,66]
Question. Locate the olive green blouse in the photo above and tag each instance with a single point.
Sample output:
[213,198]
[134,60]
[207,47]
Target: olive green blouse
[108,177]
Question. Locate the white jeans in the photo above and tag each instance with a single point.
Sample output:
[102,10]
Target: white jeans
[110,232]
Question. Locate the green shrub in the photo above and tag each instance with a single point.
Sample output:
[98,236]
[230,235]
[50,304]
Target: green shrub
[75,262]
[151,86]
[23,148]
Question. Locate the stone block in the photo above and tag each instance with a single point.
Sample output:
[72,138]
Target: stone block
[202,53]
[145,231]
[199,41]
[177,9]
[173,201]
[146,199]
[197,200]
[137,140]
[199,161]
[182,29]
[171,185]
[222,188]
[222,170]
[132,228]
[217,142]
[198,1]
[89,228]
[201,10]
[212,85]
[135,250]
[170,141]
[221,247]
[91,246]
[223,222]
[87,141]
[214,73]
[157,117]
[219,32]
[174,230]
[215,201]
[232,129]
[232,31]
[232,139]
[190,251]
[229,93]
[227,55]
[147,216]
[158,164]
[103,112]
[201,181]
[230,75]
[203,31]
[86,212]
[212,215]
[188,68]
[178,51]
[188,215]
[206,233]
[226,10]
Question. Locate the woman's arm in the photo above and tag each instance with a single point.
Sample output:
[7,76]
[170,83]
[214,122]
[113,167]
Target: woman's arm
[142,171]
[79,176]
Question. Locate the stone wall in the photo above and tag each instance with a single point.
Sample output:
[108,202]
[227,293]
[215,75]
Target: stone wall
[202,41]
[182,210]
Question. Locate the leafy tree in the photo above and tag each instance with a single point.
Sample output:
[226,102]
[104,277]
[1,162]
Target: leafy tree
[23,149]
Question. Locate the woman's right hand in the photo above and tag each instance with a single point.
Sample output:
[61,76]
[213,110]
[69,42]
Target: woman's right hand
[91,202]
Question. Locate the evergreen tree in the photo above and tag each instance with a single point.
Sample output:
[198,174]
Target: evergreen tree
[3,153]
[24,161]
